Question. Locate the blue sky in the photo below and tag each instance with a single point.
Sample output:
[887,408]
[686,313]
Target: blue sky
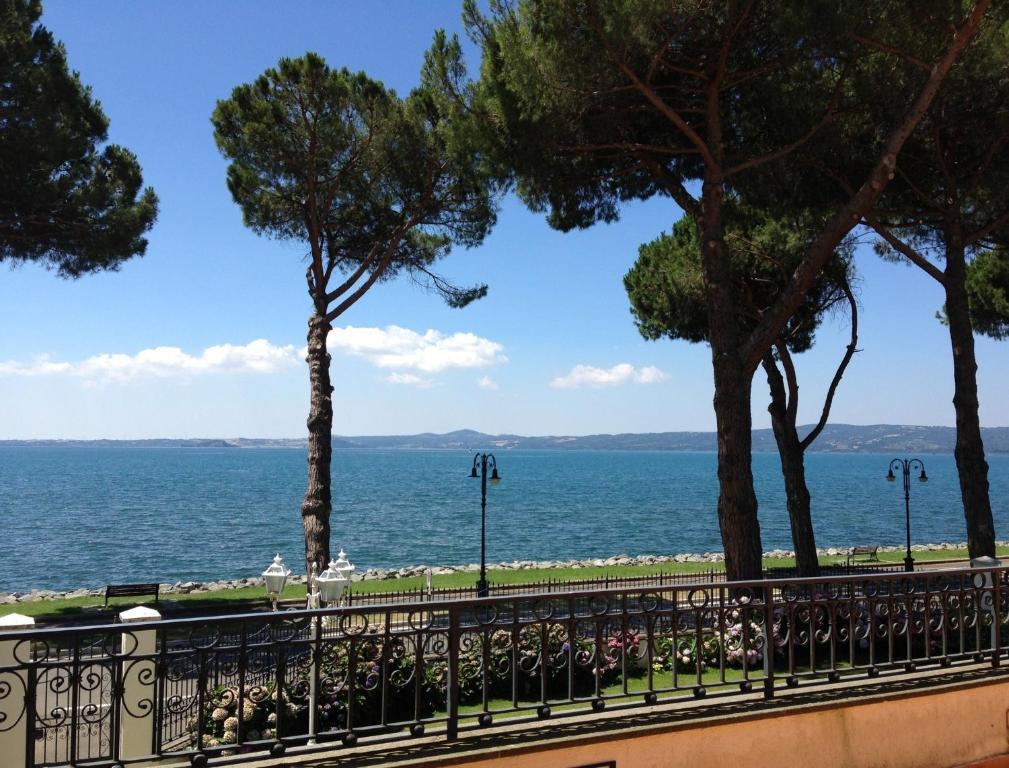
[86,359]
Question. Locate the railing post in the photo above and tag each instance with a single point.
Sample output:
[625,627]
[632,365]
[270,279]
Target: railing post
[15,715]
[452,727]
[139,685]
[768,641]
[313,682]
[996,626]
[987,584]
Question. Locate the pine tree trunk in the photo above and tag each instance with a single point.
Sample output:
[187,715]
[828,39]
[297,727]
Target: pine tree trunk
[737,502]
[793,470]
[969,451]
[317,505]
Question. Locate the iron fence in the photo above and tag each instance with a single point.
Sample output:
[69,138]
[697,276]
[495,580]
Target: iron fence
[658,579]
[203,688]
[418,594]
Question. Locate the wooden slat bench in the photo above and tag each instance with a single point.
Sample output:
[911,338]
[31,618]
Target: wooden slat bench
[131,590]
[870,554]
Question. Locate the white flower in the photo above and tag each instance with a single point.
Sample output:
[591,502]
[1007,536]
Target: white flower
[229,737]
[219,715]
[231,724]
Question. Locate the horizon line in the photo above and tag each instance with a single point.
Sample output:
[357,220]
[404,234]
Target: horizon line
[468,429]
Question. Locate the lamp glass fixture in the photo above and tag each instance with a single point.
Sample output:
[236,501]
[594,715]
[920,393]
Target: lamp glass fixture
[335,578]
[275,576]
[330,584]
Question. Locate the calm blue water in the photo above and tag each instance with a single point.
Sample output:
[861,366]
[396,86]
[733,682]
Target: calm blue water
[73,517]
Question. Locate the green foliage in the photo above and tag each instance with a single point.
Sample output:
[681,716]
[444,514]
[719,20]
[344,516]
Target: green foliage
[955,165]
[567,120]
[666,285]
[66,202]
[988,290]
[374,183]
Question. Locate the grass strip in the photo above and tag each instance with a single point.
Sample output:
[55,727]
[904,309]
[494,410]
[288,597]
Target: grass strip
[254,597]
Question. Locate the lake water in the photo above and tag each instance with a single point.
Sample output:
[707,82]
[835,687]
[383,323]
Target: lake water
[73,516]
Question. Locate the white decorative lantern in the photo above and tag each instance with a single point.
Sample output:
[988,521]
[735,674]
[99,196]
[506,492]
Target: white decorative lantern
[276,578]
[335,579]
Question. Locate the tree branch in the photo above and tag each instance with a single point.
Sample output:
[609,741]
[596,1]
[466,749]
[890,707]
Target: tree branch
[793,382]
[666,111]
[660,53]
[675,188]
[755,162]
[820,252]
[829,116]
[778,405]
[376,273]
[633,147]
[997,223]
[905,250]
[993,151]
[354,277]
[839,373]
[886,48]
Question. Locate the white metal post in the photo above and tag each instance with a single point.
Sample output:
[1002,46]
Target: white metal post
[136,709]
[14,714]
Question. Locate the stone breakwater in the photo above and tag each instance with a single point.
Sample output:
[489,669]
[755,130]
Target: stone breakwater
[372,574]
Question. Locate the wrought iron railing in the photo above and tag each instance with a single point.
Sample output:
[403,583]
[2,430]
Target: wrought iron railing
[204,688]
[357,596]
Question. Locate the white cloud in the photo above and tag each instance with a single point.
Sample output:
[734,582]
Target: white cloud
[623,373]
[409,378]
[486,382]
[259,356]
[430,352]
[41,366]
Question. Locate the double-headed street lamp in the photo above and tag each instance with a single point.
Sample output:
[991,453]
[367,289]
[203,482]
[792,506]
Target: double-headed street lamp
[484,460]
[905,466]
[326,588]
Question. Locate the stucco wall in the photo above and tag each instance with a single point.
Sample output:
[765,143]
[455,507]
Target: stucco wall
[934,730]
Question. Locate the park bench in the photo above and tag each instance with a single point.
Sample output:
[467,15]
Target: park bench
[868,554]
[131,590]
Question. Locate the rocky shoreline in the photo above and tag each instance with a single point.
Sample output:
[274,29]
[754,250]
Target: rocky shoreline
[372,574]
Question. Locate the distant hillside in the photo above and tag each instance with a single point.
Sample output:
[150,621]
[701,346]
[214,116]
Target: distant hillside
[149,443]
[836,438]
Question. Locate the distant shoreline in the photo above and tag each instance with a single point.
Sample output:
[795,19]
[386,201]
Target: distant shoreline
[836,438]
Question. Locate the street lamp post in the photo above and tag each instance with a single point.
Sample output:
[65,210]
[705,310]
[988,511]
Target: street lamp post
[905,466]
[484,460]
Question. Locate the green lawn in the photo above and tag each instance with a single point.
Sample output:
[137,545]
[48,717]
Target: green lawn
[247,597]
[711,679]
